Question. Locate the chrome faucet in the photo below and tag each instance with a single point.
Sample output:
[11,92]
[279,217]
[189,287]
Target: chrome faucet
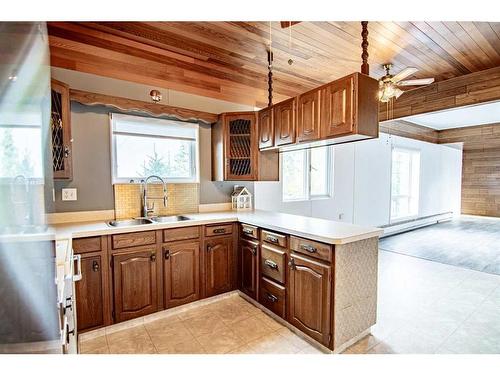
[146,210]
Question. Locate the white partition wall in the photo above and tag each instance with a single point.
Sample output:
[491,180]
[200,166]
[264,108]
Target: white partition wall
[362,183]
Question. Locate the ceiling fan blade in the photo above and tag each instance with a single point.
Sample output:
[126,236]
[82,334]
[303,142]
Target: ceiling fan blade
[416,82]
[285,24]
[403,74]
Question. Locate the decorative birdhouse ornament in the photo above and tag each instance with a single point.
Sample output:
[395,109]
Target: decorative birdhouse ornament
[241,198]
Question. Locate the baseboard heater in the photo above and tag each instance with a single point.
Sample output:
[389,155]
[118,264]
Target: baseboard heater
[411,224]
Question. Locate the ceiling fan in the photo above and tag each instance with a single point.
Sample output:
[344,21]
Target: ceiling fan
[389,84]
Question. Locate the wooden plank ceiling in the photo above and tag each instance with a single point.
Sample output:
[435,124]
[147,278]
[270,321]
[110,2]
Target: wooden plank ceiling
[228,60]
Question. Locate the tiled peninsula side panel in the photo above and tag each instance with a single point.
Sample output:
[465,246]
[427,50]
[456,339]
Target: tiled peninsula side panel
[355,294]
[182,199]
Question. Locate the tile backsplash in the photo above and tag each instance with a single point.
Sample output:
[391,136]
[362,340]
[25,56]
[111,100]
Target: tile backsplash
[182,198]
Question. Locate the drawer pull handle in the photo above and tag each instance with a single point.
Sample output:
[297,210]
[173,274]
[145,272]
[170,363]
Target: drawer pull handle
[220,230]
[209,248]
[309,248]
[272,239]
[95,266]
[271,297]
[152,258]
[291,263]
[254,250]
[247,231]
[167,254]
[271,264]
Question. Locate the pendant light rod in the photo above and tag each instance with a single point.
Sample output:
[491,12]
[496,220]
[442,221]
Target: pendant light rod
[270,77]
[365,68]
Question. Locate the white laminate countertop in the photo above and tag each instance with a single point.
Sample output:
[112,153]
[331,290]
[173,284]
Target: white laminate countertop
[328,231]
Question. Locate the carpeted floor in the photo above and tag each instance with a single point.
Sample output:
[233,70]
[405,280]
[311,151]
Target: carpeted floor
[469,241]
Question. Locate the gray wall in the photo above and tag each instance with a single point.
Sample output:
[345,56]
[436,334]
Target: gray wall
[92,164]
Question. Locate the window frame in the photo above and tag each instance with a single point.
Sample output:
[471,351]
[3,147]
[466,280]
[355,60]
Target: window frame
[195,148]
[307,176]
[412,152]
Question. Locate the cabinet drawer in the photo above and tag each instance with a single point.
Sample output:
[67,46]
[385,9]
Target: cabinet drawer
[121,241]
[273,263]
[178,234]
[249,231]
[274,238]
[86,245]
[314,249]
[217,230]
[272,296]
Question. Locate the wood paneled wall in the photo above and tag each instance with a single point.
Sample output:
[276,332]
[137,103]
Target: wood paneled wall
[481,167]
[408,130]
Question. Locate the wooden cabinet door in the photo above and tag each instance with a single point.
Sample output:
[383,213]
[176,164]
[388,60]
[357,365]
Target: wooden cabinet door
[218,265]
[249,251]
[309,297]
[240,146]
[181,283]
[308,116]
[284,122]
[266,128]
[337,108]
[60,122]
[89,294]
[134,278]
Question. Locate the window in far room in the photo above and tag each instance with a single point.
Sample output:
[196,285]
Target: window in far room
[143,146]
[307,174]
[405,183]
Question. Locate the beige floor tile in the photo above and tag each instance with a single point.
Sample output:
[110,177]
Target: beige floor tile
[190,346]
[240,350]
[273,343]
[204,324]
[362,346]
[381,348]
[221,341]
[165,338]
[197,311]
[164,324]
[294,339]
[250,329]
[310,349]
[406,341]
[93,344]
[102,350]
[127,334]
[268,321]
[134,345]
[232,313]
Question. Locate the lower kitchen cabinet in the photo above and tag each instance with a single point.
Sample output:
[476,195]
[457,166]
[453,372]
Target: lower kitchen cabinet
[249,258]
[89,294]
[181,281]
[218,265]
[134,283]
[309,297]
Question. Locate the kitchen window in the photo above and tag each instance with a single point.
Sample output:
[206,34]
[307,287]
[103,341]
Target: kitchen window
[143,146]
[405,183]
[307,174]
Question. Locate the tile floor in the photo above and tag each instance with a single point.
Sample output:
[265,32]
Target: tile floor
[423,307]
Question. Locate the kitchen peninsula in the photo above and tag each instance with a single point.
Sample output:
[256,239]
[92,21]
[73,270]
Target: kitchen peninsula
[316,276]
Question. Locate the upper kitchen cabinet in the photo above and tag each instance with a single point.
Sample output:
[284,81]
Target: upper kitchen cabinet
[308,116]
[266,128]
[284,122]
[60,122]
[235,150]
[349,106]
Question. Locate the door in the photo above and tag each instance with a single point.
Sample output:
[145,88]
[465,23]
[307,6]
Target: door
[309,297]
[60,122]
[218,265]
[89,294]
[249,272]
[134,278]
[240,145]
[181,283]
[337,108]
[284,122]
[266,128]
[308,112]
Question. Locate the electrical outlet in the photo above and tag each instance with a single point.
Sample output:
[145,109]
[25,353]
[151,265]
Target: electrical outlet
[69,194]
[341,216]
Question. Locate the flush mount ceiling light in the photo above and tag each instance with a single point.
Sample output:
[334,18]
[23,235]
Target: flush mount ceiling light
[155,95]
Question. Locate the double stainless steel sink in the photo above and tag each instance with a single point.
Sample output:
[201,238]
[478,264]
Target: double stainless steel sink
[146,221]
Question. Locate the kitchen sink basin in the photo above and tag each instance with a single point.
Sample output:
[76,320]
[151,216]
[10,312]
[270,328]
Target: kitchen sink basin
[169,219]
[126,223]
